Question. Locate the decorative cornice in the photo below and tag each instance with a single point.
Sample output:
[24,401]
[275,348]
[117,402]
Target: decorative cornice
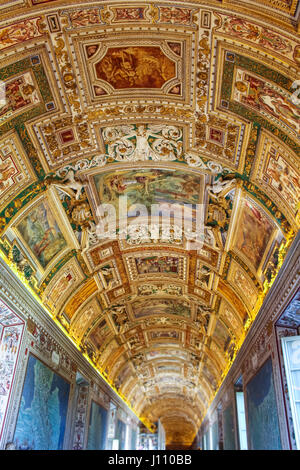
[19,299]
[276,300]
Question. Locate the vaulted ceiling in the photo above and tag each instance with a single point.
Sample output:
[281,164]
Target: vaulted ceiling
[193,103]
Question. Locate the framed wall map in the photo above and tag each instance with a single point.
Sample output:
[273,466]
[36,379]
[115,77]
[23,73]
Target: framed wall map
[43,410]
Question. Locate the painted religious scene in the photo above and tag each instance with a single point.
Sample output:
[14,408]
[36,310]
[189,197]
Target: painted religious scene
[253,233]
[21,93]
[148,187]
[264,97]
[221,335]
[20,32]
[156,264]
[283,178]
[135,67]
[151,188]
[163,306]
[43,411]
[40,231]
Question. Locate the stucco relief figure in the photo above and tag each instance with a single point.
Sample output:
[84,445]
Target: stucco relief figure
[109,274]
[135,67]
[143,142]
[81,213]
[71,185]
[218,186]
[120,317]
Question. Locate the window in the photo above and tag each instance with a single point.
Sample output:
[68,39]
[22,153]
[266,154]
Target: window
[210,445]
[206,441]
[127,437]
[291,357]
[240,405]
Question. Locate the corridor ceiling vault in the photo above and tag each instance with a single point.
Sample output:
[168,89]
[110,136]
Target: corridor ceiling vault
[193,102]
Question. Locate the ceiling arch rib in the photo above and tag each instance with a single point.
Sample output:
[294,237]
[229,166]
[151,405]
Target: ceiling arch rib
[199,109]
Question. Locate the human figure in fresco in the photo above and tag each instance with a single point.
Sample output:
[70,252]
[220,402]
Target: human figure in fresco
[109,276]
[18,94]
[262,97]
[176,15]
[16,33]
[255,234]
[117,186]
[130,13]
[63,285]
[285,181]
[241,28]
[140,67]
[85,17]
[10,340]
[39,231]
[7,170]
[14,98]
[42,233]
[91,50]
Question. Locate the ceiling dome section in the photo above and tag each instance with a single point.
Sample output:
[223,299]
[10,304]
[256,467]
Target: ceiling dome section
[120,122]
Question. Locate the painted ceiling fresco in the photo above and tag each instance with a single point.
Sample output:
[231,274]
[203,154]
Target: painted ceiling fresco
[192,103]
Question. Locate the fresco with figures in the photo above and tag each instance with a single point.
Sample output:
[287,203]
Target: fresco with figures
[254,233]
[135,67]
[42,234]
